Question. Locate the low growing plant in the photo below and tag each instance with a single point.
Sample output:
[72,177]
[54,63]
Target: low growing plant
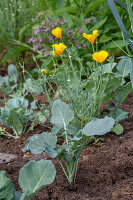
[9,83]
[32,178]
[16,115]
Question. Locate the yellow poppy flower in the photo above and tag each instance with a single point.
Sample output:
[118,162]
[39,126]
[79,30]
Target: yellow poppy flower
[57,32]
[91,37]
[44,71]
[100,56]
[53,52]
[58,49]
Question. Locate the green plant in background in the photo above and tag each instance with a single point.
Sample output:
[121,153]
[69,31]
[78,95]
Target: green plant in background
[16,115]
[77,14]
[124,31]
[15,23]
[9,83]
[32,178]
[14,20]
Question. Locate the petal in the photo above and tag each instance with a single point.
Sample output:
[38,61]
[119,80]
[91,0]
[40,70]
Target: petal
[95,32]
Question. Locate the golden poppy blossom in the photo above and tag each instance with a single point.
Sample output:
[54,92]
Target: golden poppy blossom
[100,56]
[58,49]
[91,37]
[57,32]
[44,71]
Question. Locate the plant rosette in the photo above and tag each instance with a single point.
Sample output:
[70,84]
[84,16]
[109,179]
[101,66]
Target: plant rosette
[74,140]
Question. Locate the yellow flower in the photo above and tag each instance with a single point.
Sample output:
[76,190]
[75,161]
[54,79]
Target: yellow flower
[44,71]
[58,49]
[57,32]
[91,37]
[100,56]
[54,54]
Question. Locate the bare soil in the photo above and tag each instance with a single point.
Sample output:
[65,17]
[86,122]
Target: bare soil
[105,172]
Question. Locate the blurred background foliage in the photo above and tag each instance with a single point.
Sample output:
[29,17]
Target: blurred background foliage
[19,18]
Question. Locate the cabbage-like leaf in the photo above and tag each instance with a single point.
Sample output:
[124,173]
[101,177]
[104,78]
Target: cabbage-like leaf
[7,191]
[61,114]
[40,143]
[98,126]
[123,67]
[122,93]
[12,73]
[131,70]
[34,176]
[119,115]
[6,187]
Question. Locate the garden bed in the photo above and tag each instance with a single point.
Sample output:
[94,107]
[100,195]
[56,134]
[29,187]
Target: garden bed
[105,171]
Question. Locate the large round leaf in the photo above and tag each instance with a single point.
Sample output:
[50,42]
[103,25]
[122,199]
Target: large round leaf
[34,176]
[61,114]
[99,126]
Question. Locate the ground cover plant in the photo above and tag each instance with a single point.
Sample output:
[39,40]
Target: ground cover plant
[76,88]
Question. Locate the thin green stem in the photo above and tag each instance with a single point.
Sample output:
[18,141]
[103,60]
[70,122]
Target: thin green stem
[63,169]
[93,47]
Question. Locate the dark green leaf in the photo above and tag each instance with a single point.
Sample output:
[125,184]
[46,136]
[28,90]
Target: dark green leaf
[98,25]
[22,32]
[119,21]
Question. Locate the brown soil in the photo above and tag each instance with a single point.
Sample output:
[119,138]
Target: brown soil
[105,172]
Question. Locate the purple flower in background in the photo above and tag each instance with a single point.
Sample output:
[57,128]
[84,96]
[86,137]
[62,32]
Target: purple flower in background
[40,40]
[81,31]
[95,21]
[36,31]
[65,21]
[47,29]
[34,39]
[47,54]
[30,40]
[84,46]
[35,47]
[50,39]
[42,51]
[68,32]
[90,20]
[77,46]
[55,24]
[73,38]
